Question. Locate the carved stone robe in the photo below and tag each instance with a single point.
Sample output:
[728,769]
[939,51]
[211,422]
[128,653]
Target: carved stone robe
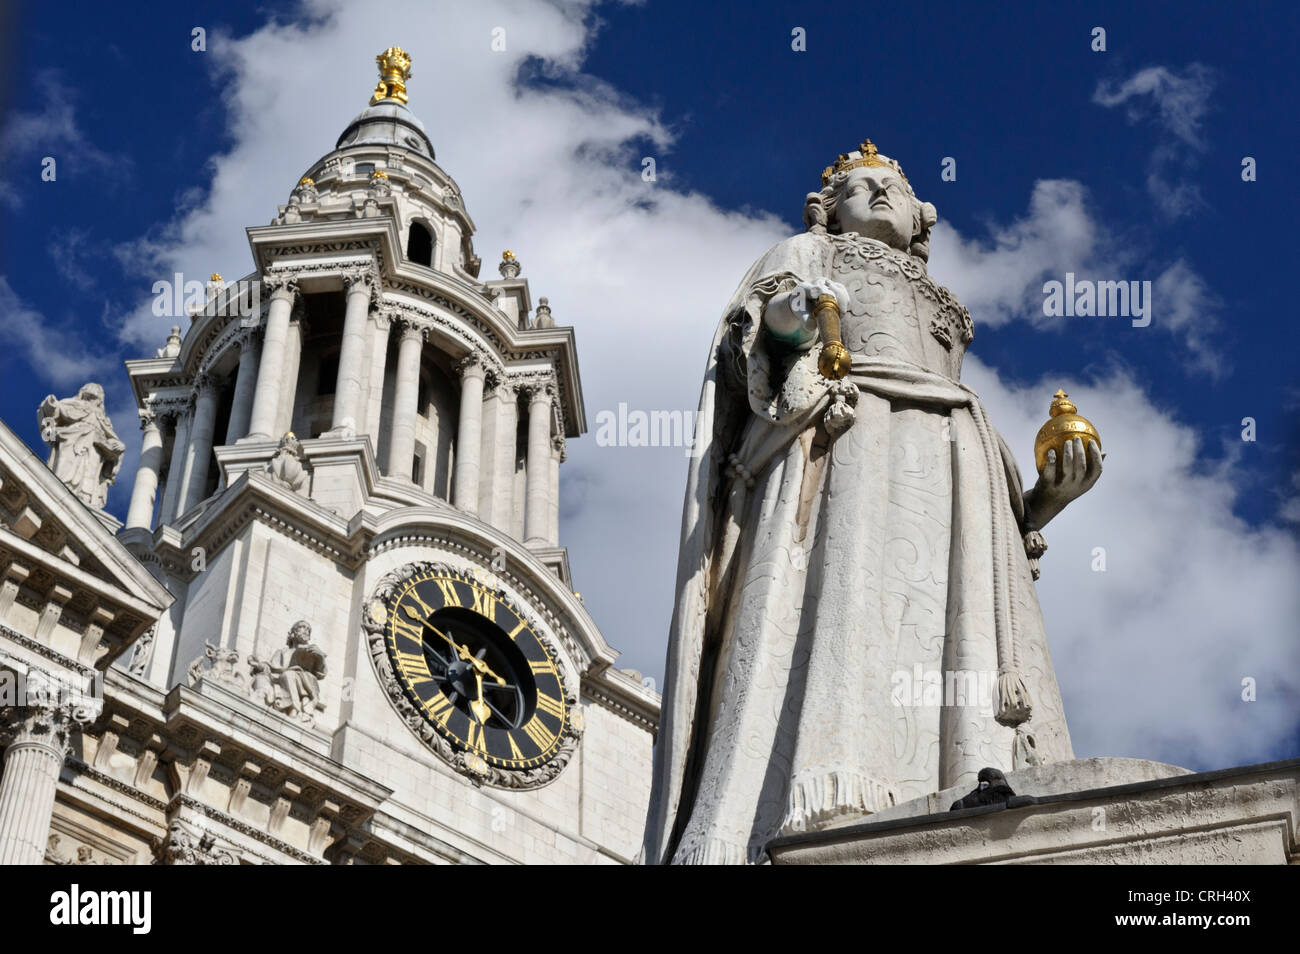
[816,567]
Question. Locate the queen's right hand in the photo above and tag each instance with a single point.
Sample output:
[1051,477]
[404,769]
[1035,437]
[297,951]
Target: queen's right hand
[789,317]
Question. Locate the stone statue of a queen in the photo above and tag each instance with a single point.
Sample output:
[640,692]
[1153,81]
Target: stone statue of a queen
[850,515]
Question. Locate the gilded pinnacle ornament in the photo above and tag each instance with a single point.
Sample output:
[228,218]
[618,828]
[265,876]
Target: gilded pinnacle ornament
[394,71]
[1063,426]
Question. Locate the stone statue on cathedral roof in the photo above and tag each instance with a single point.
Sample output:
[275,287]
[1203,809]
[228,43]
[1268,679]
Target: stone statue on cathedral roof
[85,452]
[851,514]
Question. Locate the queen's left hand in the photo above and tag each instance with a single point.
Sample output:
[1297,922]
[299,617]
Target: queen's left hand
[1066,480]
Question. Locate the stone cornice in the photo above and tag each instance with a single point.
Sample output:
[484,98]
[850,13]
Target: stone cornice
[619,693]
[181,800]
[47,652]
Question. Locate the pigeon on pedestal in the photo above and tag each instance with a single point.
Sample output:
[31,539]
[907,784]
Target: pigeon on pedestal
[991,790]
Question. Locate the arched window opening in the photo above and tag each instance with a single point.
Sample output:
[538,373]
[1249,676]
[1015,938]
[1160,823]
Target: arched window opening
[419,245]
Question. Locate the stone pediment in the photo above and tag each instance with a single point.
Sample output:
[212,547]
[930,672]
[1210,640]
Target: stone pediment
[56,550]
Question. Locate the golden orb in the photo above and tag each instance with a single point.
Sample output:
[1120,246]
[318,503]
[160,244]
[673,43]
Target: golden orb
[1063,426]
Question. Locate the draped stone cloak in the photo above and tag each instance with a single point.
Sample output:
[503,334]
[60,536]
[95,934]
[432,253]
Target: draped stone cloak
[817,568]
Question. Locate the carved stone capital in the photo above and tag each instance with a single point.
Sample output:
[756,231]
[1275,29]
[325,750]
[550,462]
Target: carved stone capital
[51,726]
[472,365]
[206,383]
[184,846]
[361,279]
[538,390]
[281,284]
[248,337]
[410,327]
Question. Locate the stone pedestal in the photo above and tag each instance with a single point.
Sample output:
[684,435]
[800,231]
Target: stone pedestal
[1089,811]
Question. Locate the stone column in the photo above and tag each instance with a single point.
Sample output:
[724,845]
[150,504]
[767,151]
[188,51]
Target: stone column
[380,327]
[406,395]
[270,370]
[557,458]
[469,433]
[299,331]
[241,405]
[39,738]
[145,491]
[176,466]
[200,451]
[537,504]
[352,353]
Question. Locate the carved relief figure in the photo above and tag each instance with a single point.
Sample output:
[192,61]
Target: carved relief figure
[852,514]
[290,680]
[85,452]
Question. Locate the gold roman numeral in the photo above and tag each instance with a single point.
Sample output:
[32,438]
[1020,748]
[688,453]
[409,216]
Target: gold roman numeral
[542,737]
[550,705]
[484,603]
[439,707]
[523,624]
[413,667]
[475,736]
[540,668]
[514,749]
[407,628]
[414,594]
[449,595]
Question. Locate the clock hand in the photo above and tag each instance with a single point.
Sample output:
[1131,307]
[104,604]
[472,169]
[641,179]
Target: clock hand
[479,665]
[480,708]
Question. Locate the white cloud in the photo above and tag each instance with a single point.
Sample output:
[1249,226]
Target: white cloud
[52,130]
[642,272]
[1001,278]
[1185,306]
[55,351]
[1151,653]
[1180,99]
[1178,103]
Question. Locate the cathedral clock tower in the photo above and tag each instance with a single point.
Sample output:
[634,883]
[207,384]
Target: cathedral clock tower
[349,484]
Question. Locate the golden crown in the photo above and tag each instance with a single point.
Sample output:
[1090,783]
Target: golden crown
[394,71]
[865,156]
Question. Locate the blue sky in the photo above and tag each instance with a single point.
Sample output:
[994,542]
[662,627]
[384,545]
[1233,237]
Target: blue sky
[1119,165]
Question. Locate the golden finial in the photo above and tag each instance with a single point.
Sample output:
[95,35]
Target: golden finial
[867,156]
[394,71]
[306,181]
[1063,425]
[379,174]
[216,278]
[508,255]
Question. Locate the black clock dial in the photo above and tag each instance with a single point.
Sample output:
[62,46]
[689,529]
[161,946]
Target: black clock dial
[476,670]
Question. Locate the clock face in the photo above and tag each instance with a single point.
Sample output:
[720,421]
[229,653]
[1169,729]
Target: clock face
[475,670]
